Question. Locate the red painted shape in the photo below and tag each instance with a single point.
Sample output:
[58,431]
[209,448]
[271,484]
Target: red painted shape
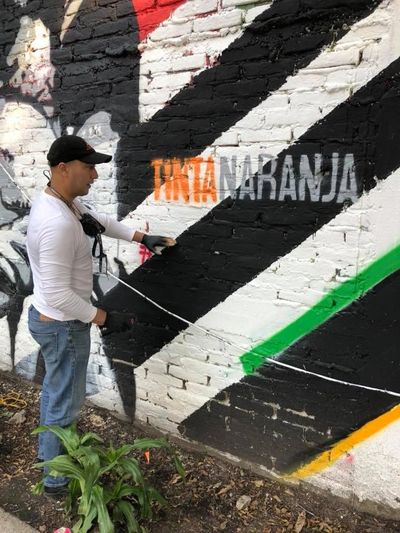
[144,253]
[150,13]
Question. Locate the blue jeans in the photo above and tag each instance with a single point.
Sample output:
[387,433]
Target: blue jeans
[65,347]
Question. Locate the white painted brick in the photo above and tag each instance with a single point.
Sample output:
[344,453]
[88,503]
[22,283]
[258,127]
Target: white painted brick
[158,397]
[185,349]
[187,375]
[253,12]
[337,58]
[174,80]
[195,7]
[303,98]
[205,368]
[167,379]
[234,3]
[171,30]
[186,397]
[218,383]
[294,116]
[146,408]
[278,101]
[223,358]
[216,22]
[208,342]
[74,6]
[5,362]
[38,147]
[338,88]
[155,67]
[163,424]
[147,112]
[152,387]
[156,54]
[155,367]
[202,390]
[229,138]
[190,62]
[308,80]
[108,402]
[274,134]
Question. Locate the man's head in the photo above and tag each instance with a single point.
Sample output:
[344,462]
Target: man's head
[72,161]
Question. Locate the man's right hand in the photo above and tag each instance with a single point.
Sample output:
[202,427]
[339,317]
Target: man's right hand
[116,322]
[100,317]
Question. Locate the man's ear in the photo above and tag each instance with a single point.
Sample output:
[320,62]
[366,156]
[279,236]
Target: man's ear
[63,167]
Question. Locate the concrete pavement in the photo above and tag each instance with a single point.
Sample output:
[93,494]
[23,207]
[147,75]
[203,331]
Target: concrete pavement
[11,524]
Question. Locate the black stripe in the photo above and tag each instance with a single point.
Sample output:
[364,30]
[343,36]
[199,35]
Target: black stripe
[262,418]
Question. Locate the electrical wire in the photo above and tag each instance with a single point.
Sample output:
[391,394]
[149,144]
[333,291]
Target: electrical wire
[244,350]
[229,343]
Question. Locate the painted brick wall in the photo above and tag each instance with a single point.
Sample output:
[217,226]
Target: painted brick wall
[264,137]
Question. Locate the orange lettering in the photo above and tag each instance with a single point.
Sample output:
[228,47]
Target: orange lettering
[195,162]
[156,164]
[167,179]
[180,180]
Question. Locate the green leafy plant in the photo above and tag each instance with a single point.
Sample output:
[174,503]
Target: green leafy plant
[106,484]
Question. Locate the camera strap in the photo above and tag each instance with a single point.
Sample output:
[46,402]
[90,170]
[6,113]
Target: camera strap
[91,227]
[98,243]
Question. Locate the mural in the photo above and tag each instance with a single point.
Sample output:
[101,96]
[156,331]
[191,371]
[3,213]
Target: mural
[15,276]
[263,136]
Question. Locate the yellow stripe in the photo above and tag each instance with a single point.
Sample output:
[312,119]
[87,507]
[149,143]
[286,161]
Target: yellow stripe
[330,456]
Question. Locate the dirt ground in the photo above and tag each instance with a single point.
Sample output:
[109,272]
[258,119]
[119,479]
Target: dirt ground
[206,502]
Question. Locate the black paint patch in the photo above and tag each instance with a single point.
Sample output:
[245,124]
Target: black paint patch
[281,418]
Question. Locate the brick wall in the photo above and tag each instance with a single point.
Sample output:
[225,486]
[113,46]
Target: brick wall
[263,136]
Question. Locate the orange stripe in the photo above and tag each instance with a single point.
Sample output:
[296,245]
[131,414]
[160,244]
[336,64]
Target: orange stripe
[329,457]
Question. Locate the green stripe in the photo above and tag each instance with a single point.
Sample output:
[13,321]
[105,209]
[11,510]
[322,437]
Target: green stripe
[330,304]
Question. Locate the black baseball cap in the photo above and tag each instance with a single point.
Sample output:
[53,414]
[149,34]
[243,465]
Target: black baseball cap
[71,147]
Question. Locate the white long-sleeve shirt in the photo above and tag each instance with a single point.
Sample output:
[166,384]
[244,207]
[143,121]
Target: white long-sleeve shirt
[60,258]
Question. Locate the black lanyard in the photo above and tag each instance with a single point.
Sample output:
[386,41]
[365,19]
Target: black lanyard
[91,227]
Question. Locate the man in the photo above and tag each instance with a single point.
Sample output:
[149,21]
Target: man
[61,262]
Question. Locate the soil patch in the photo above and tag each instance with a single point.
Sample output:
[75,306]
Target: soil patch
[206,503]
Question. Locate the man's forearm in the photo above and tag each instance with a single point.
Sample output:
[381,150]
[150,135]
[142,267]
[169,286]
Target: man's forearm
[137,236]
